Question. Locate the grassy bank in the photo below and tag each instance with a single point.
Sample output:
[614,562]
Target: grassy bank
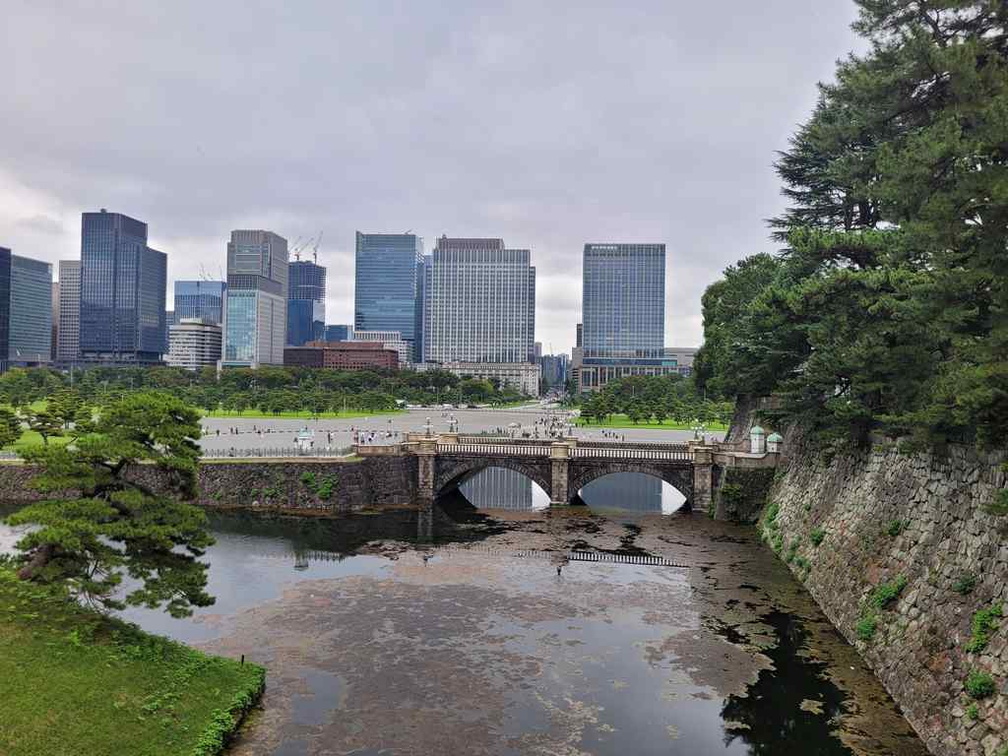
[622,421]
[74,682]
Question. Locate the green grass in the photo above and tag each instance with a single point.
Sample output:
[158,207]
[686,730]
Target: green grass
[253,414]
[622,421]
[75,682]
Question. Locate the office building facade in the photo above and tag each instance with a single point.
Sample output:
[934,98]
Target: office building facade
[122,291]
[622,329]
[202,300]
[194,343]
[344,355]
[387,285]
[68,331]
[305,302]
[25,310]
[255,322]
[390,340]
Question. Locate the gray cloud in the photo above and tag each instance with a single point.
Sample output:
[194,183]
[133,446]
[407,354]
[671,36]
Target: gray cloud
[548,126]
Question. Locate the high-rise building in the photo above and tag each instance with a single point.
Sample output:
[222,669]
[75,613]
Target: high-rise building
[25,310]
[68,332]
[479,310]
[623,300]
[387,285]
[622,315]
[54,341]
[122,293]
[340,332]
[255,324]
[203,300]
[390,340]
[194,343]
[305,302]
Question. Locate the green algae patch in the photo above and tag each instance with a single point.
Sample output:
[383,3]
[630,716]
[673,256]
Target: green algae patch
[73,681]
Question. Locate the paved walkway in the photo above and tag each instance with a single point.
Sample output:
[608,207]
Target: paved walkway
[246,433]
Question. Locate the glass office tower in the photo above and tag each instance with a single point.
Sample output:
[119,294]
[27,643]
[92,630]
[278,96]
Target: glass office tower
[122,294]
[305,302]
[624,300]
[25,310]
[386,285]
[256,303]
[68,333]
[200,299]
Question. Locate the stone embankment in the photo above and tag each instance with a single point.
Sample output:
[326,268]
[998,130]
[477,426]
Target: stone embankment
[906,555]
[321,485]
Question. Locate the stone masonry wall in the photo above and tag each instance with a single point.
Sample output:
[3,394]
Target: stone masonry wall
[884,517]
[321,485]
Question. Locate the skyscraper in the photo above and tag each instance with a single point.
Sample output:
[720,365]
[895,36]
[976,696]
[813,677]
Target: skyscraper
[305,303]
[122,292]
[200,299]
[479,311]
[68,333]
[25,310]
[622,329]
[338,332]
[623,297]
[387,284]
[256,320]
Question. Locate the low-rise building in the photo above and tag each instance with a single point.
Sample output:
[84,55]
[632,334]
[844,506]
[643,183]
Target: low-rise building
[593,373]
[522,376]
[390,340]
[342,355]
[194,343]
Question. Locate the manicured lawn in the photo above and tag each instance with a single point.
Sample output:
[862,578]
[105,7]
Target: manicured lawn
[31,438]
[74,682]
[622,421]
[299,415]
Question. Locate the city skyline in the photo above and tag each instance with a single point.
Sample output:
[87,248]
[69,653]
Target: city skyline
[687,157]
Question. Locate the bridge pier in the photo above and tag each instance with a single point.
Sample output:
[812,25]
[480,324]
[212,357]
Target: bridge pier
[703,478]
[560,473]
[426,454]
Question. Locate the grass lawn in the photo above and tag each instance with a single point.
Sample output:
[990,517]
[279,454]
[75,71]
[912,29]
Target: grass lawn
[622,421]
[298,415]
[74,682]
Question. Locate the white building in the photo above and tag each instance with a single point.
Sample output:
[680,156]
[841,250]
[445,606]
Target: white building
[255,320]
[194,343]
[390,340]
[479,311]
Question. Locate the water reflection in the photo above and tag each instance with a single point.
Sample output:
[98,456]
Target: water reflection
[500,488]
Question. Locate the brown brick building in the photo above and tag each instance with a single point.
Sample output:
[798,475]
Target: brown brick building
[342,355]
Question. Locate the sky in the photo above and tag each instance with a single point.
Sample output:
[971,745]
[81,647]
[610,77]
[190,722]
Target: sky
[546,124]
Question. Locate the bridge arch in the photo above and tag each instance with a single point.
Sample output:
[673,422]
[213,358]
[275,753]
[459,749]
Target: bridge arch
[680,477]
[450,473]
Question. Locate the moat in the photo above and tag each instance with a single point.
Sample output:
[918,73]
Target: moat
[380,638]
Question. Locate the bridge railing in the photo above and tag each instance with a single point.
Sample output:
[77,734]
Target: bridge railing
[276,452]
[675,454]
[509,449]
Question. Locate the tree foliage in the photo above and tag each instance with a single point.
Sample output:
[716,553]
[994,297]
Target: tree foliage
[102,531]
[888,308]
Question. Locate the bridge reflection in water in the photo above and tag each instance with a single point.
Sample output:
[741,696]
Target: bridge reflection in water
[500,488]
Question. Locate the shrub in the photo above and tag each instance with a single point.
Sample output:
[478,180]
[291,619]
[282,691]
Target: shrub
[973,712]
[325,488]
[803,562]
[965,584]
[817,535]
[979,685]
[770,514]
[792,551]
[895,527]
[866,627]
[999,506]
[887,593]
[985,622]
[308,478]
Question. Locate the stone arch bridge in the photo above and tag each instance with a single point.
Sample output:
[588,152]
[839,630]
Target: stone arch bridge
[560,467]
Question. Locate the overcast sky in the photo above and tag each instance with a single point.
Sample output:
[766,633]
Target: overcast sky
[548,124]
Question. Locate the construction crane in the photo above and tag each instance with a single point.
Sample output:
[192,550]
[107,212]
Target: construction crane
[315,248]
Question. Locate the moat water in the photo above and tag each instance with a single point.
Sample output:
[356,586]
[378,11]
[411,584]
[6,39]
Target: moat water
[385,635]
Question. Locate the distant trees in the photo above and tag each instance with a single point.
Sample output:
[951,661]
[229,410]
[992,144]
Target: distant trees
[888,308]
[646,398]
